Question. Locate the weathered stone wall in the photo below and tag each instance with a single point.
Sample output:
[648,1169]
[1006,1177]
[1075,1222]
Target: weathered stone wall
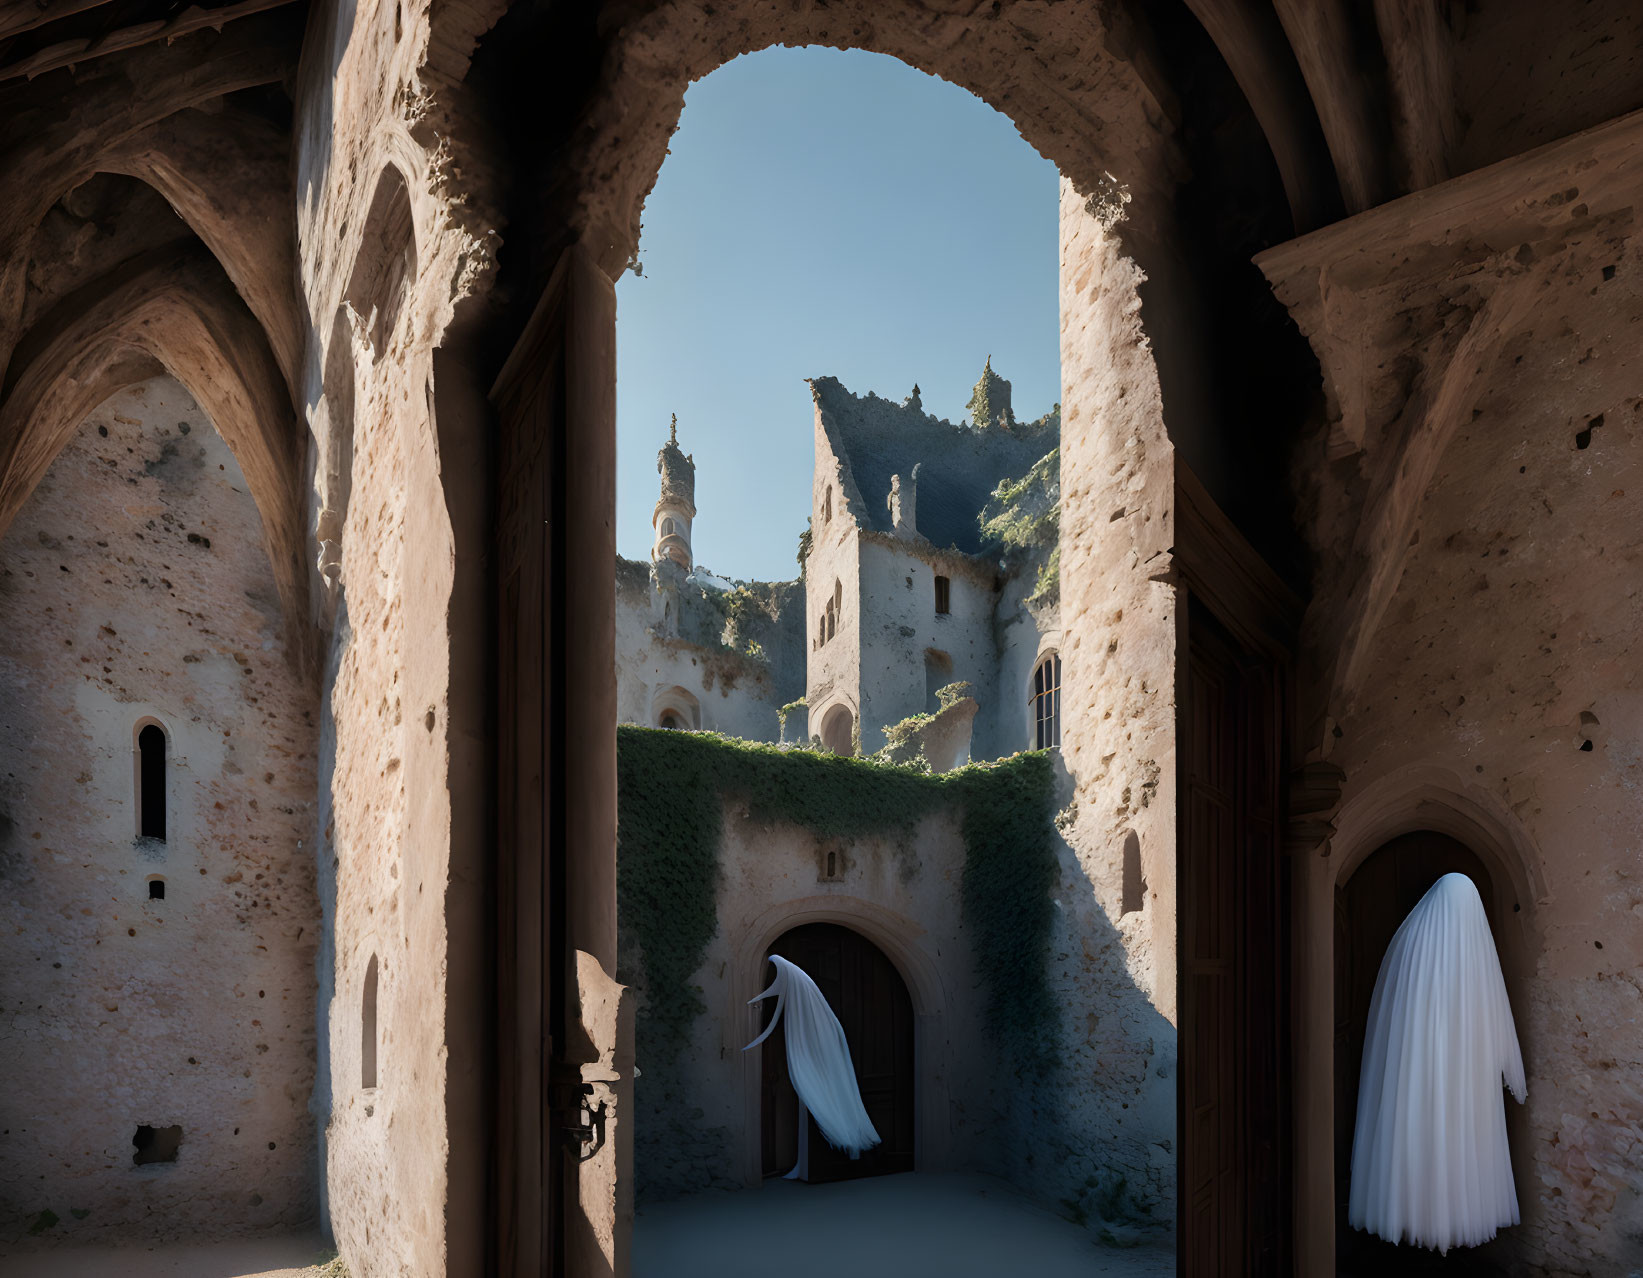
[725,690]
[833,671]
[1078,1139]
[698,1122]
[387,254]
[137,588]
[899,625]
[1505,678]
[1118,652]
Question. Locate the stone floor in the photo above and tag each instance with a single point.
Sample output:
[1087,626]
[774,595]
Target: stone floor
[299,1256]
[909,1226]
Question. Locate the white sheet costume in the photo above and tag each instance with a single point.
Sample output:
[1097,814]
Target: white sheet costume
[818,1062]
[1429,1159]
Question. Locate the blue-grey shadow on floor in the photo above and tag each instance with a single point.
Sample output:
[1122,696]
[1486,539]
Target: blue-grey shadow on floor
[907,1226]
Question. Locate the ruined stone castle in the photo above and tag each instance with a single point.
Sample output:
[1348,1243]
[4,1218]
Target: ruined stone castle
[314,657]
[891,608]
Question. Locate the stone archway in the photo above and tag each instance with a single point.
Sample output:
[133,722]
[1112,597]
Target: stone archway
[873,1005]
[892,936]
[1424,799]
[1117,230]
[1369,906]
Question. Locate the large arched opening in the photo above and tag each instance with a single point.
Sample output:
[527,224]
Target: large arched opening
[1131,338]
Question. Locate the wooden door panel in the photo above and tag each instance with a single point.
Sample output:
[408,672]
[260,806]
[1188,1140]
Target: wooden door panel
[1233,1160]
[868,996]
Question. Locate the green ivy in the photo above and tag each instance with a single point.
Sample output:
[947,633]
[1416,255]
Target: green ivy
[672,787]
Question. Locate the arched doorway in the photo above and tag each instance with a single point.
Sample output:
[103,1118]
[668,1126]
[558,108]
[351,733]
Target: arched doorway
[838,731]
[869,997]
[1369,907]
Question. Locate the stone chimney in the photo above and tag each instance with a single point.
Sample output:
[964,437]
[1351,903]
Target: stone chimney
[903,502]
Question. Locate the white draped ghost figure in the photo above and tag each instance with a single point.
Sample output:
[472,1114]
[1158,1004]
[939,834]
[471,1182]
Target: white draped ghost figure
[818,1062]
[1429,1159]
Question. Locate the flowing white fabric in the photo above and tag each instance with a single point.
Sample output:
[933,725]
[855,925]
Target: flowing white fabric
[1429,1159]
[818,1062]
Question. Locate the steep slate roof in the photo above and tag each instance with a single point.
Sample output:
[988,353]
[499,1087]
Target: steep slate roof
[959,466]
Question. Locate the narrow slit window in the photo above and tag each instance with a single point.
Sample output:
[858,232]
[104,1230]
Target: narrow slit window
[151,782]
[368,1028]
[1046,700]
[944,596]
[827,505]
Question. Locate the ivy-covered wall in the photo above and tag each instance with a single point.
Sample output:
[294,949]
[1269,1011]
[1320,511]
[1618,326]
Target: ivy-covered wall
[1040,1059]
[672,788]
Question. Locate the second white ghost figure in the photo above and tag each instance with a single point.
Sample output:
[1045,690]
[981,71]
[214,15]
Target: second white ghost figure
[818,1062]
[1429,1159]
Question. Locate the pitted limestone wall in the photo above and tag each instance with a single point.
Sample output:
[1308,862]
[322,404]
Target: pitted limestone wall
[1118,649]
[1506,676]
[136,587]
[386,259]
[899,625]
[833,671]
[673,652]
[730,692]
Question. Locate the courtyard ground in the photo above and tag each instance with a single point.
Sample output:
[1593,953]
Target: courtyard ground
[908,1226]
[288,1256]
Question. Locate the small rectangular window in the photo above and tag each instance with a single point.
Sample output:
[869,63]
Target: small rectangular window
[943,596]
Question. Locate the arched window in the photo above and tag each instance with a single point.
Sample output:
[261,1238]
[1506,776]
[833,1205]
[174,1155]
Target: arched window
[668,527]
[151,782]
[368,1028]
[156,888]
[1046,702]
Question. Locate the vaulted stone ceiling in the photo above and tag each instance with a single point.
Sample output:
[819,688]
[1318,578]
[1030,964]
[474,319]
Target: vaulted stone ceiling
[154,135]
[146,221]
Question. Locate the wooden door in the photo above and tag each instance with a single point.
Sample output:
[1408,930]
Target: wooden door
[1234,910]
[555,872]
[1369,908]
[871,1001]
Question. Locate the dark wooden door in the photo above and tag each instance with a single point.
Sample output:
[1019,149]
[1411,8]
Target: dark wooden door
[871,1001]
[1234,911]
[1369,908]
[555,872]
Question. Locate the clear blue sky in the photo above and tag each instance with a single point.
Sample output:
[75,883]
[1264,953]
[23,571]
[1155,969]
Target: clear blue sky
[822,213]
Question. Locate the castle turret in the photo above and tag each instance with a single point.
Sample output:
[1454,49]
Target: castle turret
[677,505]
